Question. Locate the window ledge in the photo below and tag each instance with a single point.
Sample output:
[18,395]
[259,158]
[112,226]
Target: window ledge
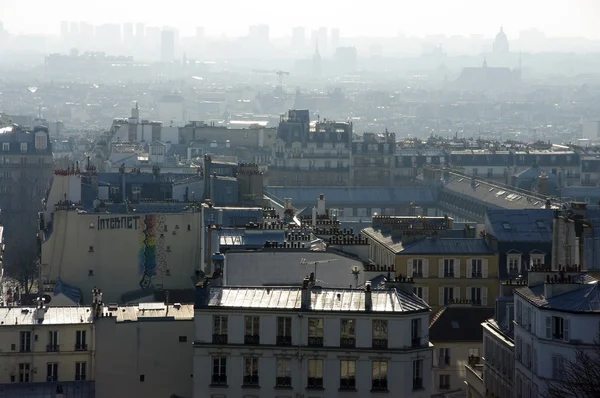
[315,388]
[250,387]
[347,389]
[218,386]
[375,391]
[418,388]
[283,387]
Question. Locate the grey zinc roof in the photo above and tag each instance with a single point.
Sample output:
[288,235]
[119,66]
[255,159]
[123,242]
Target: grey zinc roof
[522,225]
[449,246]
[322,299]
[52,316]
[132,313]
[584,299]
[307,196]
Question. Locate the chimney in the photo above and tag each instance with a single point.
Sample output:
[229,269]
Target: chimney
[202,293]
[403,284]
[306,285]
[543,184]
[314,216]
[548,205]
[555,240]
[97,302]
[321,210]
[368,297]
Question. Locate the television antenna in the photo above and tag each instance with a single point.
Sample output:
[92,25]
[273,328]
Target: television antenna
[304,262]
[355,271]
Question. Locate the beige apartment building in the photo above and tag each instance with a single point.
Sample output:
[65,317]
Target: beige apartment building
[51,347]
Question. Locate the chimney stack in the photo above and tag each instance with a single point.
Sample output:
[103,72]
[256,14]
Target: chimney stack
[321,209]
[306,285]
[368,297]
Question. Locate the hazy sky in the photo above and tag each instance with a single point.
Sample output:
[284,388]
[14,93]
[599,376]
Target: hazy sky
[353,17]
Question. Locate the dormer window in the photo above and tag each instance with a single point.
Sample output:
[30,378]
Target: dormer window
[41,141]
[6,146]
[23,147]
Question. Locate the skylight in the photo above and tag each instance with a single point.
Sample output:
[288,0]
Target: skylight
[454,324]
[506,226]
[540,224]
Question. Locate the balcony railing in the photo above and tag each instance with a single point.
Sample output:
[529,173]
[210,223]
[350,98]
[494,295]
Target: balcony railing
[284,340]
[348,342]
[315,341]
[81,347]
[219,339]
[417,274]
[476,275]
[219,380]
[416,342]
[251,381]
[52,348]
[417,383]
[379,385]
[251,339]
[51,378]
[348,383]
[80,377]
[380,343]
[315,382]
[283,382]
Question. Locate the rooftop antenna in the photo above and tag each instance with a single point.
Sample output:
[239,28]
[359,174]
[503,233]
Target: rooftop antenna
[355,271]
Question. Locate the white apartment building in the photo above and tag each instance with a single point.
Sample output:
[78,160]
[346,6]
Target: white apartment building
[311,341]
[555,316]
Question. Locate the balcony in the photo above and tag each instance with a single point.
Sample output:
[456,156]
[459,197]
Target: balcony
[474,378]
[52,348]
[51,378]
[80,377]
[348,383]
[250,381]
[348,342]
[251,339]
[284,340]
[417,274]
[219,339]
[476,275]
[380,343]
[379,385]
[218,380]
[315,382]
[81,347]
[417,383]
[283,382]
[315,341]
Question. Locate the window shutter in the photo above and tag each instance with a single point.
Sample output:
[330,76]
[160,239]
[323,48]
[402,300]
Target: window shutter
[409,268]
[457,267]
[425,269]
[565,329]
[484,268]
[484,296]
[548,327]
[441,268]
[436,359]
[469,267]
[441,296]
[426,294]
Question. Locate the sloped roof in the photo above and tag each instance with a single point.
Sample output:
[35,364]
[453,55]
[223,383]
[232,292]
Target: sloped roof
[449,246]
[584,299]
[520,225]
[459,323]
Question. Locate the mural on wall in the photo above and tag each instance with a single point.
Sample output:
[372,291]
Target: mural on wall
[152,256]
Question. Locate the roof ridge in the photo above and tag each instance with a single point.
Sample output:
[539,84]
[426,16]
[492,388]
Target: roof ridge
[436,316]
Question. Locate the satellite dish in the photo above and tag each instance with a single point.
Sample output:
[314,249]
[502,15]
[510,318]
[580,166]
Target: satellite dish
[46,298]
[356,270]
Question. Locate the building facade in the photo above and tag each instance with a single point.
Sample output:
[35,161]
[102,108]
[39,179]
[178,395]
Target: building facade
[310,341]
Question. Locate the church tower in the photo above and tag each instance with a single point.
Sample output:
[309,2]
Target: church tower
[316,63]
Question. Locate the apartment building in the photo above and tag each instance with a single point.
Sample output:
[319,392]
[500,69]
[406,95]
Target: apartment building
[311,341]
[46,350]
[373,160]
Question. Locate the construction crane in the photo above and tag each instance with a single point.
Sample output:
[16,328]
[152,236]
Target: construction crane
[279,73]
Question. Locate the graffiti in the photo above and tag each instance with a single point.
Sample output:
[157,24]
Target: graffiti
[147,257]
[130,222]
[152,257]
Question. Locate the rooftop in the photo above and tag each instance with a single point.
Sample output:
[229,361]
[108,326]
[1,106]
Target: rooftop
[52,316]
[321,299]
[520,225]
[584,298]
[150,311]
[459,323]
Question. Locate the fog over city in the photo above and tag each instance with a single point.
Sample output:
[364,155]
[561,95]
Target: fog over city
[308,200]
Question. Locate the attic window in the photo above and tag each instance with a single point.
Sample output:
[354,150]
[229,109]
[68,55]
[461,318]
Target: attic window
[540,224]
[506,226]
[454,324]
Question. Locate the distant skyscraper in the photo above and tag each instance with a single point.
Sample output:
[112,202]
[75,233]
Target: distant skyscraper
[298,38]
[64,29]
[322,37]
[167,45]
[128,34]
[335,38]
[140,30]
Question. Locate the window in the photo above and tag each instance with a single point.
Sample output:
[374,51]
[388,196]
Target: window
[25,342]
[417,268]
[444,382]
[183,339]
[315,332]
[24,372]
[444,357]
[347,333]
[416,332]
[52,341]
[251,371]
[23,147]
[136,192]
[417,374]
[284,373]
[379,376]
[6,146]
[448,268]
[284,330]
[558,367]
[219,329]
[315,373]
[80,370]
[142,378]
[380,335]
[219,371]
[348,374]
[251,335]
[80,341]
[514,264]
[537,260]
[448,295]
[476,268]
[52,372]
[476,295]
[41,142]
[557,328]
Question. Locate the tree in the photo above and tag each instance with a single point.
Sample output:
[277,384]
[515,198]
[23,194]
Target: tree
[22,256]
[580,376]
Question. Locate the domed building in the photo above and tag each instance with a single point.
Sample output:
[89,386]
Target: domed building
[501,45]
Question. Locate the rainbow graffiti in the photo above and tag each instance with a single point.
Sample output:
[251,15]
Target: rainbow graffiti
[147,256]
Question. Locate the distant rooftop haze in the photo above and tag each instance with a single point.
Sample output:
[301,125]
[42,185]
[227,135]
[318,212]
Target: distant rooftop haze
[556,18]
